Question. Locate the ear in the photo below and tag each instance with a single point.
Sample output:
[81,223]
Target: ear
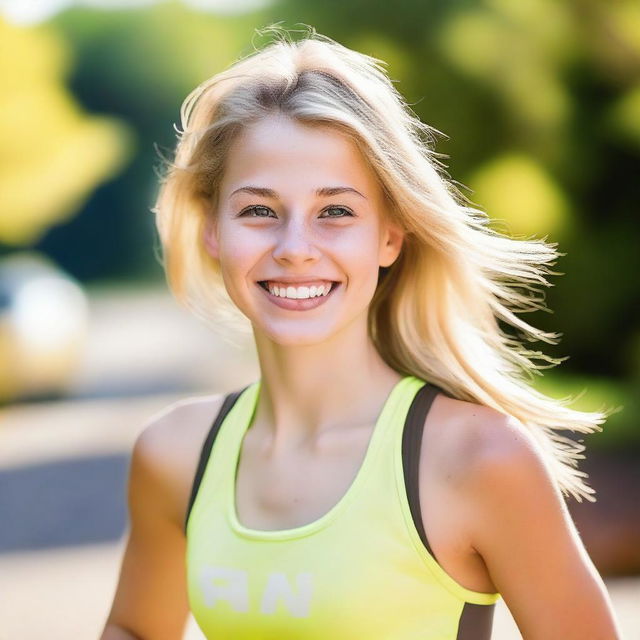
[392,239]
[210,237]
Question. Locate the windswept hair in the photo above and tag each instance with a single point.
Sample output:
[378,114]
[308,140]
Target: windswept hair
[435,311]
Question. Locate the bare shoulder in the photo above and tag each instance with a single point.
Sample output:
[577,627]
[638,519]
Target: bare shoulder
[169,445]
[474,438]
[151,599]
[517,521]
[489,445]
[487,463]
[496,469]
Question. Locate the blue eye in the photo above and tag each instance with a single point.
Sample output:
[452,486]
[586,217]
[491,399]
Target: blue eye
[252,209]
[339,209]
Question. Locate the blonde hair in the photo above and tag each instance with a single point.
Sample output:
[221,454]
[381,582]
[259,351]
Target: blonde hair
[435,311]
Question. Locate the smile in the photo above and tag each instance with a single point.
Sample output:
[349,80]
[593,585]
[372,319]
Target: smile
[303,303]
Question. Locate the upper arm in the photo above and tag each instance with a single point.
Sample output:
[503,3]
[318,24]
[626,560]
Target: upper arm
[151,598]
[526,537]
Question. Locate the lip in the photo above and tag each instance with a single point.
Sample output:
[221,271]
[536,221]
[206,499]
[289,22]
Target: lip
[301,282]
[301,304]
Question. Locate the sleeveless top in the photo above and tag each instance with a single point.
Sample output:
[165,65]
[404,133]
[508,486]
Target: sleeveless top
[362,570]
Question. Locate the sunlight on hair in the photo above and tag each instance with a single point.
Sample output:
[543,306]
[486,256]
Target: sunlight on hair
[436,311]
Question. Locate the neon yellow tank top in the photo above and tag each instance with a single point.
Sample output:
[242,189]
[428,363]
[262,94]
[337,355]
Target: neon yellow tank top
[359,571]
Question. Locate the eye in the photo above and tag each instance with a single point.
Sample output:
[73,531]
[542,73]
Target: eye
[347,211]
[249,210]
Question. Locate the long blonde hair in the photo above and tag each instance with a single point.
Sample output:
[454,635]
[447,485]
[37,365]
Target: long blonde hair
[435,311]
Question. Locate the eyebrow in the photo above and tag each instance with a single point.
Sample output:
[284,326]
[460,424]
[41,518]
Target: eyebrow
[322,191]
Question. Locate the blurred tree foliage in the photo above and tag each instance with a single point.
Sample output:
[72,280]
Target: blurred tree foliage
[52,153]
[138,65]
[539,101]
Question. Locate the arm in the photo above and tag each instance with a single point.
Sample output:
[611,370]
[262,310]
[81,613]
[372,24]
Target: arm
[150,601]
[114,632]
[525,535]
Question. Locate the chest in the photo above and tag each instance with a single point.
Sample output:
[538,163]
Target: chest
[287,490]
[274,492]
[291,489]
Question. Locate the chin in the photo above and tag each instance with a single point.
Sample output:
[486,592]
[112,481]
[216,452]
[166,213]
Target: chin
[288,337]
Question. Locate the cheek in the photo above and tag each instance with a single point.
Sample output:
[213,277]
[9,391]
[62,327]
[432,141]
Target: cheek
[233,255]
[360,252]
[235,261]
[238,250]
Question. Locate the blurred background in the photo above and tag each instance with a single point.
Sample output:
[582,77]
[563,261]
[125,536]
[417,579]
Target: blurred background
[540,101]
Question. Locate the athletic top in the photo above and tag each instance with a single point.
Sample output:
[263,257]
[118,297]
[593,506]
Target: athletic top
[362,570]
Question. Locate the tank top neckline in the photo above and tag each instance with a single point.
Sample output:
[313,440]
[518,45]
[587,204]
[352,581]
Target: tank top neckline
[248,403]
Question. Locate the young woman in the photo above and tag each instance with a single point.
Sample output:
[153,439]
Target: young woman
[391,474]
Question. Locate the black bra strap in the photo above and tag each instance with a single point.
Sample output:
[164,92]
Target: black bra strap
[476,621]
[229,401]
[411,447]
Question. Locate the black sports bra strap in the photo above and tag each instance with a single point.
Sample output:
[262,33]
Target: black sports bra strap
[476,620]
[411,447]
[227,404]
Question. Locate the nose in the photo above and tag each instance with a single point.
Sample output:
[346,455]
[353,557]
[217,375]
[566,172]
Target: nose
[295,243]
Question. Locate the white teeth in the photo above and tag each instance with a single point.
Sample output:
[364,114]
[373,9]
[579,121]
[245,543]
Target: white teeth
[296,293]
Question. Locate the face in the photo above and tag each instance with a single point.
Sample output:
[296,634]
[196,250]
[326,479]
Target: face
[275,226]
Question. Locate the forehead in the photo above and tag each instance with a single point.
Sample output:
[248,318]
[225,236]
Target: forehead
[286,155]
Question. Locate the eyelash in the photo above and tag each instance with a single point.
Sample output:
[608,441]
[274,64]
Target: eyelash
[252,208]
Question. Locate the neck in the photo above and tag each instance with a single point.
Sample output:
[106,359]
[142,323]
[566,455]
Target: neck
[306,390]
